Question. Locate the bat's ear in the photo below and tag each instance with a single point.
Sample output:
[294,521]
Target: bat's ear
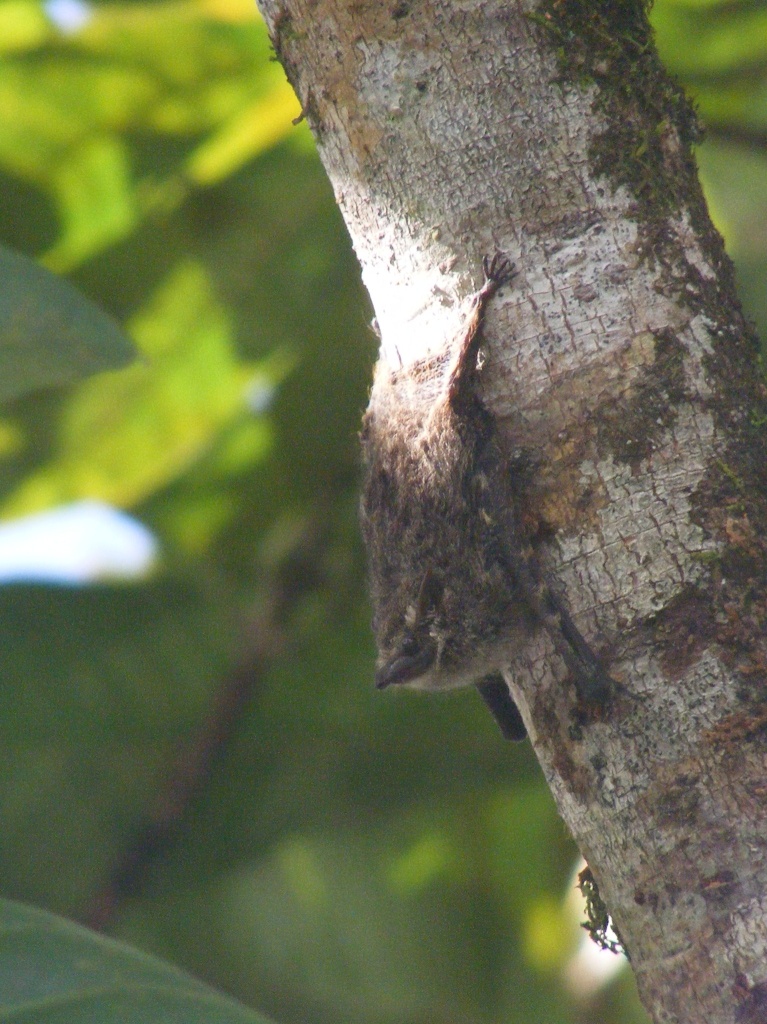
[429,595]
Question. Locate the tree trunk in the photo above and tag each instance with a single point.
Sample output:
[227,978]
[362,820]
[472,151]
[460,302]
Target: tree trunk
[452,129]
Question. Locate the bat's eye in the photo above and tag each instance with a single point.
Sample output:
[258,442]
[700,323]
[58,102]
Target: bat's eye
[408,663]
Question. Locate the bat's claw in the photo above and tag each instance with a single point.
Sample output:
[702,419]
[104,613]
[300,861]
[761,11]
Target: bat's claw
[498,269]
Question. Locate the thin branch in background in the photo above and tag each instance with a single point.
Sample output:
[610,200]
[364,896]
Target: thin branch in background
[191,770]
[738,134]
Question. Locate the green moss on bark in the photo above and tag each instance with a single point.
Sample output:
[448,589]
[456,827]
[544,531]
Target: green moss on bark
[649,125]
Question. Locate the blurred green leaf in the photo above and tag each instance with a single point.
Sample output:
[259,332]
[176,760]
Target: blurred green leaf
[261,125]
[54,972]
[103,688]
[207,58]
[703,40]
[57,104]
[129,435]
[23,25]
[175,69]
[96,204]
[50,334]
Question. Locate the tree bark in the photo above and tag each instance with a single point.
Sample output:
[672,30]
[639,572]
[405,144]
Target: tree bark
[451,129]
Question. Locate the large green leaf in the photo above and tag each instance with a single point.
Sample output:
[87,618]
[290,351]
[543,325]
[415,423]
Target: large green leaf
[123,438]
[96,202]
[50,334]
[54,972]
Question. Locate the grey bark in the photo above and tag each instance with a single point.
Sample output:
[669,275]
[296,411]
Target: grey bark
[455,128]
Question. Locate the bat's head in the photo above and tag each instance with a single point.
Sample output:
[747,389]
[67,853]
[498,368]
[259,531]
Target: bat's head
[410,643]
[427,643]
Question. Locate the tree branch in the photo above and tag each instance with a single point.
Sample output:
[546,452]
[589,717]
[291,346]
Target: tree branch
[620,358]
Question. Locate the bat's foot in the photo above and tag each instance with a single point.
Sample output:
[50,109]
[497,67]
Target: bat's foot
[498,270]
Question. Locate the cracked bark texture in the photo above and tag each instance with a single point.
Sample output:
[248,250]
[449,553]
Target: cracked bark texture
[620,359]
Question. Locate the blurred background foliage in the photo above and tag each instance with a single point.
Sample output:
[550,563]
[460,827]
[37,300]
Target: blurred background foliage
[196,759]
